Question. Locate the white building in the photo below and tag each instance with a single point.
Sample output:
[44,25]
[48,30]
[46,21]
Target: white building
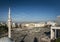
[51,23]
[41,24]
[58,20]
[3,24]
[13,25]
[18,25]
[28,25]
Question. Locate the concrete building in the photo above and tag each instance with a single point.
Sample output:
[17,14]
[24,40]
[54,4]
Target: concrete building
[51,23]
[27,25]
[41,24]
[18,25]
[58,20]
[2,24]
[14,25]
[55,30]
[32,25]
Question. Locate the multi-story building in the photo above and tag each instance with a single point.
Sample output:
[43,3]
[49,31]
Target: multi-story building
[58,20]
[41,24]
[51,23]
[13,25]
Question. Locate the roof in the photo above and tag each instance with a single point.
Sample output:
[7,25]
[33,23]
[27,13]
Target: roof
[5,39]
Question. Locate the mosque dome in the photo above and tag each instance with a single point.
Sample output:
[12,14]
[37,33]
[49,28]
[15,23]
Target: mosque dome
[5,39]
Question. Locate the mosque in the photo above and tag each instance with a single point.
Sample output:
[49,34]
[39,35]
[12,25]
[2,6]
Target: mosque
[8,39]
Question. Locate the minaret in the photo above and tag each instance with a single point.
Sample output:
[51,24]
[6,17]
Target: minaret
[9,24]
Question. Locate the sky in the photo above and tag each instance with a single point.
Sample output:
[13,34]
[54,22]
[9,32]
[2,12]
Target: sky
[29,10]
